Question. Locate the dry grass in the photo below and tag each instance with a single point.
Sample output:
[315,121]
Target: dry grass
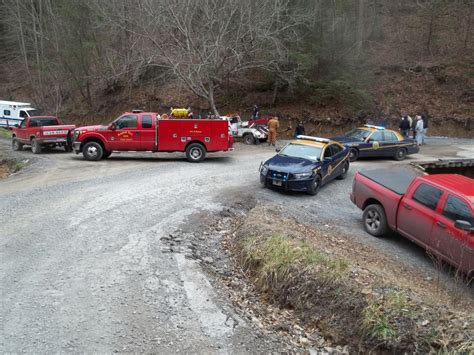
[327,287]
[277,257]
[5,133]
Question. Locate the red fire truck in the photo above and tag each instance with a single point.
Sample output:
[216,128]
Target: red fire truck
[144,131]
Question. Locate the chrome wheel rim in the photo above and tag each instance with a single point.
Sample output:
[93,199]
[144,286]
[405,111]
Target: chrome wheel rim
[196,153]
[372,221]
[92,152]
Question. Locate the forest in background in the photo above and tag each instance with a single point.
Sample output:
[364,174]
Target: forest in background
[322,60]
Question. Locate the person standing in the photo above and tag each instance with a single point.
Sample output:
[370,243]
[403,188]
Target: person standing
[273,126]
[255,112]
[424,117]
[404,126]
[419,130]
[299,131]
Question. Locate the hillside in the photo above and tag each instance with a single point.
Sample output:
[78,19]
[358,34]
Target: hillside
[330,64]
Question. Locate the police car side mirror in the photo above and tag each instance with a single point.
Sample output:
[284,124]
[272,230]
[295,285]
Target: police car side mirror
[277,150]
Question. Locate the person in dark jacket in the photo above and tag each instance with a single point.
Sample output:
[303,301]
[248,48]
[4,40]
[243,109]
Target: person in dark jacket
[424,117]
[255,112]
[299,131]
[404,126]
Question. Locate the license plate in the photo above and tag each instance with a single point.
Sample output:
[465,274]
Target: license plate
[277,182]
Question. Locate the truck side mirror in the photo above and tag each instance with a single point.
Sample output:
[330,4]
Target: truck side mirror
[16,125]
[113,126]
[464,225]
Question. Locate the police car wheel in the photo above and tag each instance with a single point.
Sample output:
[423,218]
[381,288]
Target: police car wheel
[345,169]
[195,153]
[353,155]
[400,154]
[375,221]
[35,146]
[92,151]
[314,186]
[16,145]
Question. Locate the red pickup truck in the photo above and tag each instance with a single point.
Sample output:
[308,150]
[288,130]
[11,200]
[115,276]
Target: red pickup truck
[144,131]
[434,211]
[42,132]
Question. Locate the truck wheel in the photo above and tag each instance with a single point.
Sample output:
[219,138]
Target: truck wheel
[106,154]
[345,169]
[195,152]
[92,151]
[375,221]
[16,145]
[35,146]
[400,154]
[314,186]
[249,139]
[353,155]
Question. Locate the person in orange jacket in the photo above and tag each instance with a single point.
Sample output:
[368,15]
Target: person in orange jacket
[273,126]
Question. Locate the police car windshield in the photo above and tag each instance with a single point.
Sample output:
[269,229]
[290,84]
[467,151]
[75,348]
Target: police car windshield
[358,134]
[301,151]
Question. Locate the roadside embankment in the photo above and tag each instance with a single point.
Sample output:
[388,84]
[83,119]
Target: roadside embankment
[352,294]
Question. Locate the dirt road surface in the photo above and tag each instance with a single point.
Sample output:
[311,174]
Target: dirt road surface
[83,269]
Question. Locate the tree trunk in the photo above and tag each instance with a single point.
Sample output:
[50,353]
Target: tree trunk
[360,26]
[211,99]
[275,93]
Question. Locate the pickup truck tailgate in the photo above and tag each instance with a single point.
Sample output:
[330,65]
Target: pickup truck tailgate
[395,180]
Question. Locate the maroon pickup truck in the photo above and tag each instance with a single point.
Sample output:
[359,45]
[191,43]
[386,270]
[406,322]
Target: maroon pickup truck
[434,211]
[42,132]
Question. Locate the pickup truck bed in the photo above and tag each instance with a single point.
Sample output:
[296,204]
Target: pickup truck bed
[394,180]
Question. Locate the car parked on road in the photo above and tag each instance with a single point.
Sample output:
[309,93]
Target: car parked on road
[42,132]
[376,141]
[305,164]
[434,211]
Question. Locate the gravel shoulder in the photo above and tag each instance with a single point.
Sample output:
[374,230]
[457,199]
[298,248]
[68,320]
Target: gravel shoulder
[83,267]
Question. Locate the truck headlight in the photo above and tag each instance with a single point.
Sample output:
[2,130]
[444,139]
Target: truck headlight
[300,176]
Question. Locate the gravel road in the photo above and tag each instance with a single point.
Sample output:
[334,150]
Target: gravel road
[82,267]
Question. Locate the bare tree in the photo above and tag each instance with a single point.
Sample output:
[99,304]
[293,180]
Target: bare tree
[207,43]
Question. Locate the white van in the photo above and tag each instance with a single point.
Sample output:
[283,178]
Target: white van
[12,113]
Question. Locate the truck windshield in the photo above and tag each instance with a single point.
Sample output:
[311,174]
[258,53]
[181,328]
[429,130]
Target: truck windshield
[44,122]
[358,134]
[301,151]
[32,113]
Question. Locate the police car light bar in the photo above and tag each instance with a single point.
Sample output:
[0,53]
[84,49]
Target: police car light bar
[372,126]
[316,139]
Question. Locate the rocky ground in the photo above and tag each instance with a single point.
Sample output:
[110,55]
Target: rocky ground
[129,254]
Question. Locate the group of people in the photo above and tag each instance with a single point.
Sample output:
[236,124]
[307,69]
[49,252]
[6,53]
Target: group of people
[274,125]
[418,127]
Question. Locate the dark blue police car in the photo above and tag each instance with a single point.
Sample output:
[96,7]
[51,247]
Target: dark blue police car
[376,141]
[305,164]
